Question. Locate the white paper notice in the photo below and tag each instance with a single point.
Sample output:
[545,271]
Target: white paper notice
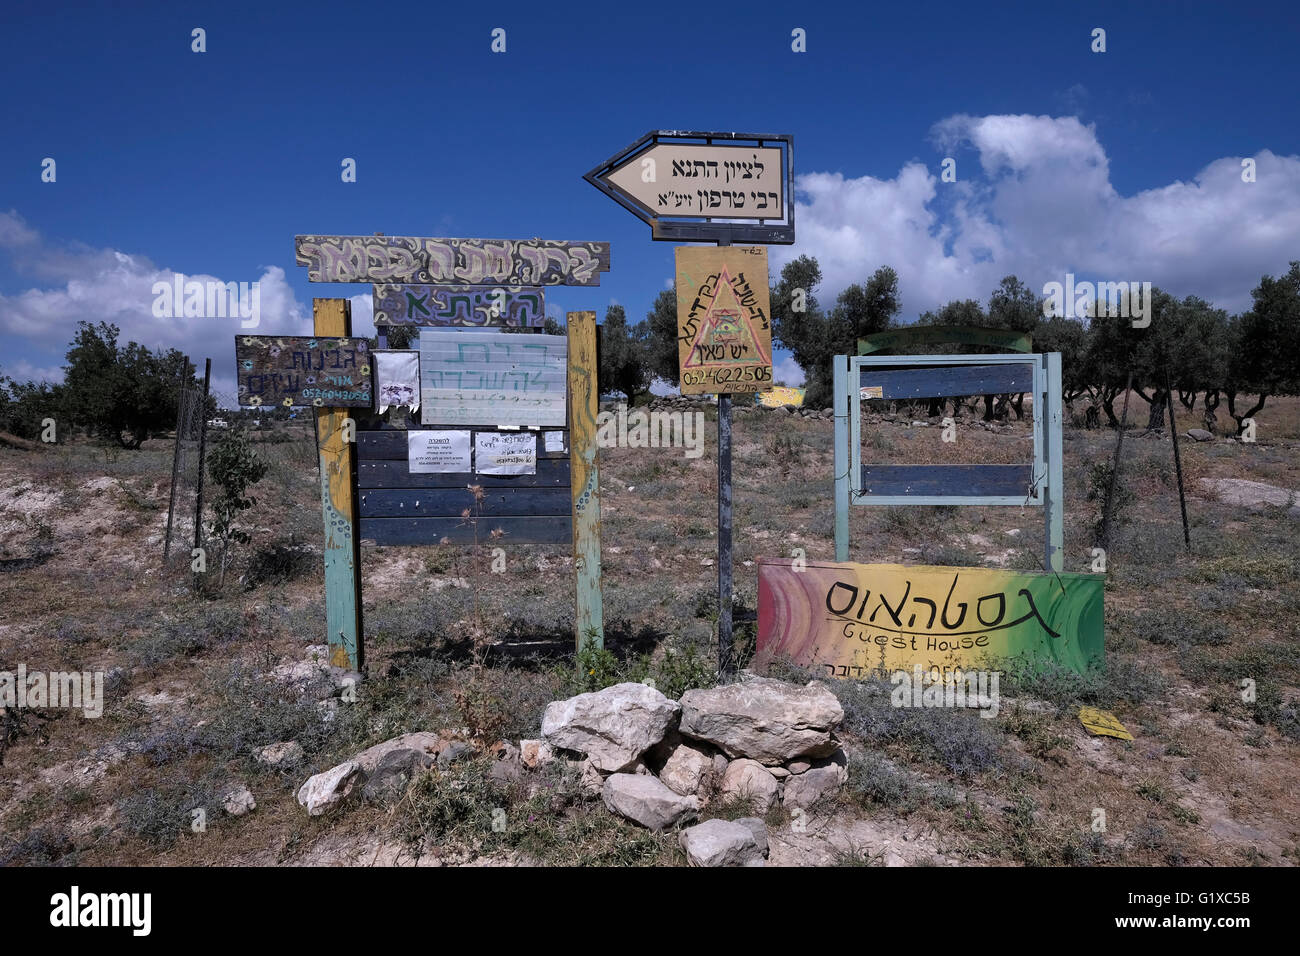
[437,451]
[554,441]
[500,454]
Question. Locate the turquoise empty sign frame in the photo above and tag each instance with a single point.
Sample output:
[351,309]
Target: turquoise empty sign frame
[905,377]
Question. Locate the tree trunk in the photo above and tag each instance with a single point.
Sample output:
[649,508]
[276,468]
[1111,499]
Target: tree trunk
[988,408]
[1232,409]
[1108,396]
[1188,399]
[1211,403]
[1018,403]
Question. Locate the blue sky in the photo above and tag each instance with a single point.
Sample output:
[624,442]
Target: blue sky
[1124,164]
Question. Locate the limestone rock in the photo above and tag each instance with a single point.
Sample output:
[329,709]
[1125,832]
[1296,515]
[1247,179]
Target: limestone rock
[766,720]
[758,828]
[807,788]
[688,771]
[327,790]
[535,753]
[286,754]
[643,799]
[721,843]
[613,726]
[748,780]
[238,801]
[1199,434]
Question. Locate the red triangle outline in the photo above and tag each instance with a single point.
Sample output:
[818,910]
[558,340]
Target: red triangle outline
[705,325]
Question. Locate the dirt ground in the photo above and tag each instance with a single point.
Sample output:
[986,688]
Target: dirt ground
[195,686]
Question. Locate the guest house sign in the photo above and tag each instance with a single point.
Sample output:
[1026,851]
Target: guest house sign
[849,620]
[303,370]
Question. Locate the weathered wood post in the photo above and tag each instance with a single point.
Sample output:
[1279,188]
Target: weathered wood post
[584,405]
[337,454]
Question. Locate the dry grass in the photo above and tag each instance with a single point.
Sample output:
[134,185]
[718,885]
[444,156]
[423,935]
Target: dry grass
[1210,779]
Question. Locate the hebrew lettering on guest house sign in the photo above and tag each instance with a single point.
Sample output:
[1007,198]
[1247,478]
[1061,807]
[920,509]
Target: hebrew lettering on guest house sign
[492,378]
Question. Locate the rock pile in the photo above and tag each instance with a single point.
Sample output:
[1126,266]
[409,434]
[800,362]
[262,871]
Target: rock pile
[652,760]
[760,742]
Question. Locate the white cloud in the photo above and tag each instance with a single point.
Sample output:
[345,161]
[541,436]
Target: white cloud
[787,371]
[111,286]
[1036,200]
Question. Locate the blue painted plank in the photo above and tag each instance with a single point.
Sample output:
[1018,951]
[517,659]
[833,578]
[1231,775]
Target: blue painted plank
[947,381]
[450,502]
[551,473]
[555,529]
[1009,480]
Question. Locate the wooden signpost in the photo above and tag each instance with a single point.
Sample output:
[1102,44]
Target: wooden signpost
[333,317]
[723,188]
[495,407]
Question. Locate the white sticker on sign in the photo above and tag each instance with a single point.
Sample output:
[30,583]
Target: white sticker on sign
[437,451]
[554,441]
[499,454]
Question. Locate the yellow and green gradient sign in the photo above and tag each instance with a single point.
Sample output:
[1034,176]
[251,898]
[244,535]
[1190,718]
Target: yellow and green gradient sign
[852,619]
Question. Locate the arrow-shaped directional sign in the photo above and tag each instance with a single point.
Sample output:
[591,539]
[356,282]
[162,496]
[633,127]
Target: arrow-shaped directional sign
[731,187]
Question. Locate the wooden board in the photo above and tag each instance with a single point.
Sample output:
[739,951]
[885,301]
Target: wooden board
[492,378]
[343,621]
[450,502]
[555,529]
[724,334]
[303,370]
[884,480]
[584,397]
[946,381]
[392,445]
[551,473]
[474,306]
[396,259]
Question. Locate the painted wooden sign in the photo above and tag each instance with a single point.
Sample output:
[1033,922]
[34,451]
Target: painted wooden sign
[584,393]
[705,186]
[852,619]
[398,259]
[324,371]
[492,378]
[475,306]
[724,335]
[695,179]
[780,395]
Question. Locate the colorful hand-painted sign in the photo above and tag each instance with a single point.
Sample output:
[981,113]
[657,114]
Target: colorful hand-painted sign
[779,395]
[397,259]
[724,335]
[492,378]
[333,372]
[853,619]
[475,306]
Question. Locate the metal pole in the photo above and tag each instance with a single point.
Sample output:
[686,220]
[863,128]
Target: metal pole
[1178,461]
[724,530]
[176,455]
[203,447]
